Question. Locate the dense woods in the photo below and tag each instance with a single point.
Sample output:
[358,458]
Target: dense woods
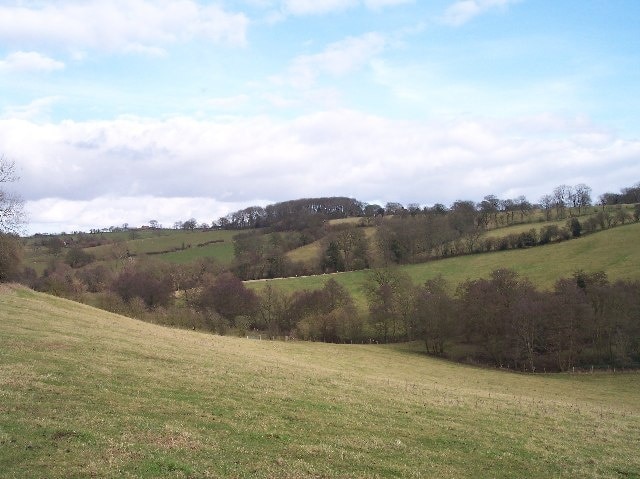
[293,215]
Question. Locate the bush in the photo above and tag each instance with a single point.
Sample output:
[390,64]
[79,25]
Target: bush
[10,257]
[549,233]
[575,227]
[58,279]
[96,278]
[77,257]
[149,284]
[228,296]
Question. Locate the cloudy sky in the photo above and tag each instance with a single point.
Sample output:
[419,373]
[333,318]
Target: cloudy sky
[131,110]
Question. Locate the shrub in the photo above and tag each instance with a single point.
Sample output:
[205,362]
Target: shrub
[148,284]
[228,296]
[77,257]
[10,257]
[575,227]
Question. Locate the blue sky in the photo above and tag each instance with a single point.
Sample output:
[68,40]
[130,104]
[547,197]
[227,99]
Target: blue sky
[126,111]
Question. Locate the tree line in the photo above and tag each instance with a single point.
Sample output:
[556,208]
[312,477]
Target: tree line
[409,234]
[584,321]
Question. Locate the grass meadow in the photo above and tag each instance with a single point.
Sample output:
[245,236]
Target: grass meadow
[614,251]
[185,244]
[85,393]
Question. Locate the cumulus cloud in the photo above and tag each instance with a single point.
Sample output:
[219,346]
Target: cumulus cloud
[343,152]
[337,59]
[59,214]
[120,25]
[463,11]
[20,62]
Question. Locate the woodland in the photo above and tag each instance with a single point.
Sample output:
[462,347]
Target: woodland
[583,321]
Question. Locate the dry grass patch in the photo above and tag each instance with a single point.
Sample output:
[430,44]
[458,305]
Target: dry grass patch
[130,399]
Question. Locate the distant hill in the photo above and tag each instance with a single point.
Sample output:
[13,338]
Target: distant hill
[175,246]
[614,251]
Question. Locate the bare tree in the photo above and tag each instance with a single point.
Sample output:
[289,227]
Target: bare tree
[11,205]
[546,203]
[561,195]
[582,197]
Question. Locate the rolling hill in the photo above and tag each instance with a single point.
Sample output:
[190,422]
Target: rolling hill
[614,251]
[88,393]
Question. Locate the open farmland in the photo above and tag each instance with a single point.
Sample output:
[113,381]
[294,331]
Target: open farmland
[614,251]
[88,393]
[176,246]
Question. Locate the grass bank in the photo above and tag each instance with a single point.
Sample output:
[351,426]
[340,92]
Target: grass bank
[88,393]
[614,251]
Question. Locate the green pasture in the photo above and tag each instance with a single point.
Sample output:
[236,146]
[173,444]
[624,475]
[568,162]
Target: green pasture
[221,252]
[139,242]
[85,393]
[164,240]
[614,251]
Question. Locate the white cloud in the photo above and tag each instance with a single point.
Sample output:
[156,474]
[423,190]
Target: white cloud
[50,215]
[315,7]
[37,110]
[228,103]
[149,51]
[337,59]
[321,7]
[20,62]
[427,87]
[143,165]
[119,25]
[380,4]
[463,11]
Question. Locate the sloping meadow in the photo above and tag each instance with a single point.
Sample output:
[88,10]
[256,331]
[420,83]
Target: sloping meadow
[88,393]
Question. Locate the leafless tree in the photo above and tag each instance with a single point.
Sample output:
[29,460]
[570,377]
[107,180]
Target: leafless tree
[12,215]
[561,195]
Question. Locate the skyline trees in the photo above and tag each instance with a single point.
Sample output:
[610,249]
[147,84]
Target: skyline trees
[403,234]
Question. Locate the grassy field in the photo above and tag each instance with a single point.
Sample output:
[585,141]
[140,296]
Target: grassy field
[85,393]
[311,252]
[168,239]
[534,221]
[185,244]
[614,251]
[182,246]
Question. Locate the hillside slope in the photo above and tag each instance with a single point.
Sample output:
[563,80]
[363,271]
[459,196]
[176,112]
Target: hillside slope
[88,393]
[614,251]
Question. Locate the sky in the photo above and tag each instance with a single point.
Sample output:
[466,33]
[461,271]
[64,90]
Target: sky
[126,111]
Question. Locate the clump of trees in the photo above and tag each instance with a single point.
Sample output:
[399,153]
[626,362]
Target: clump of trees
[408,234]
[504,320]
[298,214]
[566,199]
[628,195]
